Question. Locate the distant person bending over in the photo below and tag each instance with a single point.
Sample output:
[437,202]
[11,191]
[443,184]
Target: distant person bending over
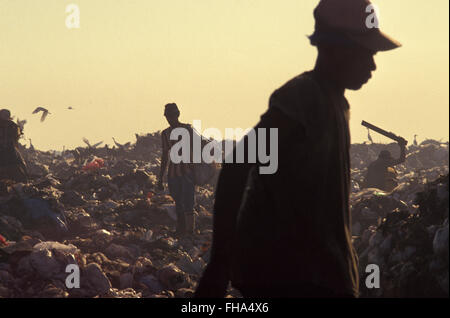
[288,234]
[12,165]
[381,173]
[180,177]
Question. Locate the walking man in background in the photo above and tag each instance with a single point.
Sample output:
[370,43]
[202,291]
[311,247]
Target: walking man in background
[12,165]
[180,177]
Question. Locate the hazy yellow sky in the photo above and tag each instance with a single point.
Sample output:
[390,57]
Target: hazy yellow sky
[218,59]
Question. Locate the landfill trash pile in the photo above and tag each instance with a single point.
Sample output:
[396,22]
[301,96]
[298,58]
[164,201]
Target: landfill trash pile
[427,160]
[405,231]
[411,249]
[424,163]
[98,208]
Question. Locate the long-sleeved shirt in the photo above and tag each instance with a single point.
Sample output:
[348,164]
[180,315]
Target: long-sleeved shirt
[292,227]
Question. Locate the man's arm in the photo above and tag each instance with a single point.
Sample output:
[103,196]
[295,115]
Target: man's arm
[402,143]
[164,161]
[229,191]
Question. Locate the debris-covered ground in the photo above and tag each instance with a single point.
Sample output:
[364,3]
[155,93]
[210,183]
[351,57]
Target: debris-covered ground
[99,208]
[405,232]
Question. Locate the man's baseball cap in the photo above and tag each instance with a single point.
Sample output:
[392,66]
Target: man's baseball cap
[347,21]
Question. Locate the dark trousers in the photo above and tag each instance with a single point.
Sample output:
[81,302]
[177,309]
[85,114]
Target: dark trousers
[181,189]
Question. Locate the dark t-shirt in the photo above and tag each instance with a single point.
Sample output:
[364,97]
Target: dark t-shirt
[181,168]
[381,173]
[9,136]
[294,226]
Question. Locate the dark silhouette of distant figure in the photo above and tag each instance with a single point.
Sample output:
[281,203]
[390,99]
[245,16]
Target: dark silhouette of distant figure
[381,173]
[12,165]
[180,176]
[31,145]
[288,234]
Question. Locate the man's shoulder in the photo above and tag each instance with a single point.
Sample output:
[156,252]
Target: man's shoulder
[165,131]
[300,84]
[187,126]
[298,98]
[168,130]
[8,123]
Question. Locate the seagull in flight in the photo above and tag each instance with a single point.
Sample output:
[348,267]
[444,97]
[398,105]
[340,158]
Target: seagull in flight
[44,111]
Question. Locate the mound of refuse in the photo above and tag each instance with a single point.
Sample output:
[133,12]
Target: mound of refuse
[404,232]
[409,247]
[96,212]
[98,209]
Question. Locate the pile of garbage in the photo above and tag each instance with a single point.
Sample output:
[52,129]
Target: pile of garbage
[426,161]
[403,232]
[424,164]
[98,209]
[410,248]
[95,212]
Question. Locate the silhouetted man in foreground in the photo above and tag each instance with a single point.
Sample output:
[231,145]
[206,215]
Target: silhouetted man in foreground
[12,166]
[381,173]
[288,234]
[180,176]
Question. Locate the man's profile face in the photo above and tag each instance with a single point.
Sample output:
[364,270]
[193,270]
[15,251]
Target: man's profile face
[356,65]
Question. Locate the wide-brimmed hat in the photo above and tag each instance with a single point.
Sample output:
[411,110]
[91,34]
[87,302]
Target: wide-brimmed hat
[350,21]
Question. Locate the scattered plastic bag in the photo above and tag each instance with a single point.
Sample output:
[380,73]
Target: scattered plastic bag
[39,209]
[94,165]
[3,241]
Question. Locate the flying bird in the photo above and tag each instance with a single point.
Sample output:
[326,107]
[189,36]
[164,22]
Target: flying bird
[70,107]
[369,136]
[44,111]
